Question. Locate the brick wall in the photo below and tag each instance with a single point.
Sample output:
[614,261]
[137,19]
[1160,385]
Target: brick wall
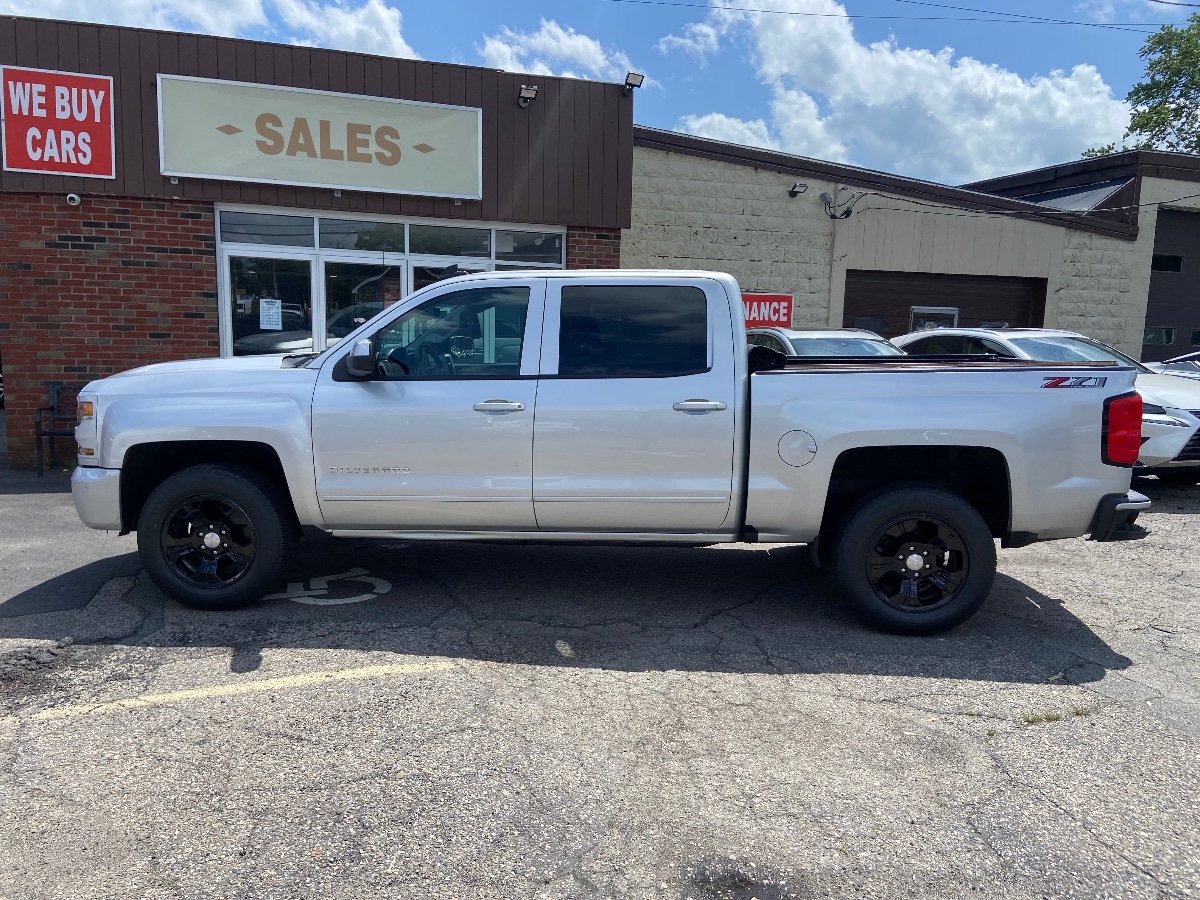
[89,290]
[590,248]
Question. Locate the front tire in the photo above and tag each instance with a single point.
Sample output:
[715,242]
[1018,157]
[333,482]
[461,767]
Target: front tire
[914,561]
[216,537]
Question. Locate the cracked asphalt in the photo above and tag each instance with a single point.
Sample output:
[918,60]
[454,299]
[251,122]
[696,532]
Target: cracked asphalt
[585,722]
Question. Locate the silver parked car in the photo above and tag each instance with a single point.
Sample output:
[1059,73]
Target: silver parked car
[1186,366]
[822,342]
[1170,414]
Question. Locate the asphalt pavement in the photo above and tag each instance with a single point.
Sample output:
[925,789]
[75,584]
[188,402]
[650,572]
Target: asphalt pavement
[473,720]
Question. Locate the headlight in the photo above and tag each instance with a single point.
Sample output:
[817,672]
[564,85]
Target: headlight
[85,409]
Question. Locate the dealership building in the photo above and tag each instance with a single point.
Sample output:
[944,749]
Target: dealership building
[1108,247]
[168,195]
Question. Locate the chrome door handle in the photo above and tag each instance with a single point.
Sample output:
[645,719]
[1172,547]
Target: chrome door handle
[698,406]
[498,406]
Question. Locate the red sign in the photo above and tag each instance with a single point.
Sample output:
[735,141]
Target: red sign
[57,123]
[767,309]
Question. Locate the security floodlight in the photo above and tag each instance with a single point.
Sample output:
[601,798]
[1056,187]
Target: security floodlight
[632,80]
[526,94]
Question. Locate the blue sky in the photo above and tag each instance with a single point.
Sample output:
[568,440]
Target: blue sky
[920,91]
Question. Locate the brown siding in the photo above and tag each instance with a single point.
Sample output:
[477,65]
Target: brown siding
[565,160]
[1021,302]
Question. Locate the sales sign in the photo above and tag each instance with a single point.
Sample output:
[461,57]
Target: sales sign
[767,309]
[57,123]
[283,135]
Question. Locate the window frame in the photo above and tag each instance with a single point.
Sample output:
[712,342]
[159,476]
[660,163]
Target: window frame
[1154,257]
[1168,329]
[714,302]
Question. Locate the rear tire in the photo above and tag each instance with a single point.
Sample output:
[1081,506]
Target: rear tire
[914,561]
[216,537]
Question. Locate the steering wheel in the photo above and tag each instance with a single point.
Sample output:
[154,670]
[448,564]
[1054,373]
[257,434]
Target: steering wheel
[434,363]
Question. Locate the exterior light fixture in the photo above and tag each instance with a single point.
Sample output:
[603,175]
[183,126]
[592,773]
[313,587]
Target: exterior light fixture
[797,189]
[526,94]
[632,80]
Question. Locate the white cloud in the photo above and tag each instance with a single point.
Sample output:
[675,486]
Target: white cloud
[918,112]
[554,50]
[371,27]
[721,127]
[699,39]
[229,17]
[1105,11]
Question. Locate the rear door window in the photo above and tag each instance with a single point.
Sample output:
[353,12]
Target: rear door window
[632,331]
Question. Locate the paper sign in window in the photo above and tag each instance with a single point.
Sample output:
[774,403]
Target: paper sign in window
[270,314]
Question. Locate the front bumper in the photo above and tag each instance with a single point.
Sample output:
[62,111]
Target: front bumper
[97,496]
[1116,515]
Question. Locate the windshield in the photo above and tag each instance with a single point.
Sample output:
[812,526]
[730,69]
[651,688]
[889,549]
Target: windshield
[847,346]
[1059,348]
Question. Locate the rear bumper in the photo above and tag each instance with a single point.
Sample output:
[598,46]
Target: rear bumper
[1116,515]
[97,496]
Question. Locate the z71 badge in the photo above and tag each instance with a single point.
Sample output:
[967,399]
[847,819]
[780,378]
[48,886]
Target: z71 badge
[1082,381]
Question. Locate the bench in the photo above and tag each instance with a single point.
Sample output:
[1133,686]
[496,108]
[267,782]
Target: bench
[55,420]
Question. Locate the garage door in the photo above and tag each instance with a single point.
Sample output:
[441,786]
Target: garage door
[886,302]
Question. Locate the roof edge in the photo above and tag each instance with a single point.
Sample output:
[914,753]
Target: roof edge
[957,197]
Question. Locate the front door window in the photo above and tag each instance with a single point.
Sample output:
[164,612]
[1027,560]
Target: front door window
[272,305]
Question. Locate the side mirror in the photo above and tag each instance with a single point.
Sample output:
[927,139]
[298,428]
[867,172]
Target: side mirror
[361,361]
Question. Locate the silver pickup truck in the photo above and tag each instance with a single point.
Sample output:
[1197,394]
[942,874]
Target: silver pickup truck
[616,405]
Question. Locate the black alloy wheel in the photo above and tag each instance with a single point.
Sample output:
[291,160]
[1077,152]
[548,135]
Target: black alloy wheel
[208,541]
[217,537]
[914,560]
[917,562]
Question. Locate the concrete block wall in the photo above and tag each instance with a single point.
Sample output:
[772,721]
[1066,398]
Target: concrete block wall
[89,290]
[1100,291]
[693,213]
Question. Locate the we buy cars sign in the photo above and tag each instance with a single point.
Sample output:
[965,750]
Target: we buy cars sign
[767,309]
[57,123]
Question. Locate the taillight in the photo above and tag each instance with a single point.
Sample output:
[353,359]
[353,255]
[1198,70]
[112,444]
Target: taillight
[1121,440]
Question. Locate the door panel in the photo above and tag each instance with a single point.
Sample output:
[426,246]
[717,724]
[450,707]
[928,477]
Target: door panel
[447,445]
[611,450]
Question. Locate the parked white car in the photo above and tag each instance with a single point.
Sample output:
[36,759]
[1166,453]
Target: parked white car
[822,342]
[1186,366]
[1170,414]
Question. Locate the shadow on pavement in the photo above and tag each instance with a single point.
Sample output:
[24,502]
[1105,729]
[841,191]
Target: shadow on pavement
[727,609]
[1169,499]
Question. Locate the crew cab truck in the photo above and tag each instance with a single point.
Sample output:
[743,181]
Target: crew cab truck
[614,406]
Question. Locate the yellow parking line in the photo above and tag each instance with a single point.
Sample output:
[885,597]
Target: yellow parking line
[245,687]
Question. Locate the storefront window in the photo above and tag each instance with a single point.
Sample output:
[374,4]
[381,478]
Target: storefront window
[272,305]
[260,228]
[423,276]
[355,292]
[441,240]
[342,234]
[529,246]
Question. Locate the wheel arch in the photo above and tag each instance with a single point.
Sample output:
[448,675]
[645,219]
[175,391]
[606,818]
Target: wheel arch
[147,465]
[979,475]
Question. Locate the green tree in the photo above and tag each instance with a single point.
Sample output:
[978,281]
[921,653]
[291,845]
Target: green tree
[1166,103]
